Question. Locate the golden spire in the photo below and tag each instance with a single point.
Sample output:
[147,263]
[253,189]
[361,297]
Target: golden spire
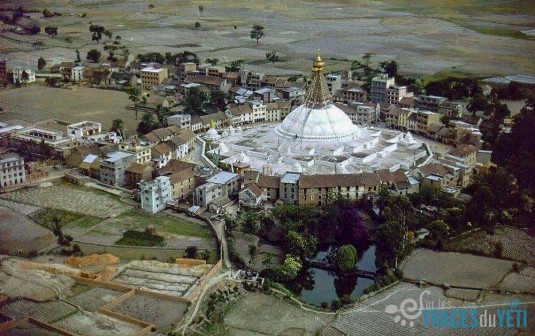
[318,91]
[318,63]
[212,123]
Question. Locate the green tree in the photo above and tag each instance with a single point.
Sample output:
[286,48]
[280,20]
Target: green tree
[78,59]
[51,31]
[300,245]
[134,94]
[253,253]
[108,34]
[230,223]
[195,101]
[93,55]
[161,115]
[390,67]
[478,103]
[346,258]
[250,223]
[235,66]
[390,243]
[289,269]
[147,123]
[272,57]
[41,63]
[201,9]
[257,33]
[118,126]
[212,60]
[365,67]
[218,100]
[515,150]
[439,229]
[197,24]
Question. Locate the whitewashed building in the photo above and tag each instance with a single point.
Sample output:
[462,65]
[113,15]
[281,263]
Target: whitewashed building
[12,170]
[155,194]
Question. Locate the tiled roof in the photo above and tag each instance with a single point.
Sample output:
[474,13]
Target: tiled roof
[175,166]
[255,189]
[137,168]
[181,175]
[463,150]
[265,181]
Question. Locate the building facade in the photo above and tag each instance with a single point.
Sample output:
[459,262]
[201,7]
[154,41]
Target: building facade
[155,194]
[12,171]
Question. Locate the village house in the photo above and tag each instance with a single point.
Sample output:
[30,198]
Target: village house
[113,168]
[137,172]
[155,194]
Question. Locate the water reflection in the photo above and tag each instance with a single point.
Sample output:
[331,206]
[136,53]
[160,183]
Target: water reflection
[316,286]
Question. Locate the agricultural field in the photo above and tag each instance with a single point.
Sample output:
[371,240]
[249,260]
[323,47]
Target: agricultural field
[456,269]
[468,37]
[260,314]
[68,197]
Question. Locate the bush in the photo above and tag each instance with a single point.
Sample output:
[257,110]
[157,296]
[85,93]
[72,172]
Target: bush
[324,305]
[517,267]
[398,272]
[498,250]
[191,252]
[346,299]
[335,304]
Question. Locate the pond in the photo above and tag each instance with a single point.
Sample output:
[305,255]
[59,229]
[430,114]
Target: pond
[315,285]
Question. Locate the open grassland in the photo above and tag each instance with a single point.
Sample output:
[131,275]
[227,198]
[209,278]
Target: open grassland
[473,36]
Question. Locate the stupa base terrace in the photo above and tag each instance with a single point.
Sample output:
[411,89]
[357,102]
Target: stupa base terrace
[262,149]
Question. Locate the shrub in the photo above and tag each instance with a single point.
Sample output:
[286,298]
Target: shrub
[324,305]
[335,304]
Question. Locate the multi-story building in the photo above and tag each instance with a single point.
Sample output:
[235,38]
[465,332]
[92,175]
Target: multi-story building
[3,72]
[380,85]
[152,76]
[429,102]
[211,70]
[134,146]
[259,111]
[84,129]
[425,119]
[451,109]
[161,154]
[222,184]
[351,94]
[182,175]
[185,69]
[12,171]
[240,114]
[113,167]
[137,172]
[395,93]
[77,73]
[289,187]
[181,120]
[251,80]
[214,84]
[155,194]
[19,74]
[465,154]
[334,83]
[366,113]
[273,112]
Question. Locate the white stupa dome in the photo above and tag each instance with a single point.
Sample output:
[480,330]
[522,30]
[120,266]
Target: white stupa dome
[223,148]
[324,123]
[243,157]
[212,134]
[297,167]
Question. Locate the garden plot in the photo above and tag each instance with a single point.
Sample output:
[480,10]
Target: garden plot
[94,324]
[95,298]
[163,314]
[456,269]
[369,317]
[169,279]
[29,329]
[260,314]
[18,233]
[70,198]
[517,244]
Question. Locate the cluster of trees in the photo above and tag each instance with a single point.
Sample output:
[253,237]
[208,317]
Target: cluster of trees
[169,58]
[48,14]
[153,120]
[97,32]
[51,31]
[197,101]
[496,110]
[272,57]
[365,69]
[454,88]
[515,151]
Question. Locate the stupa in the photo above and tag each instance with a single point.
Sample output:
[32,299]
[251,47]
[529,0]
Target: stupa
[318,119]
[317,137]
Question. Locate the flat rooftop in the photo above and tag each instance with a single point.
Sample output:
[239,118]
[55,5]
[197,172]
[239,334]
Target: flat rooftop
[222,177]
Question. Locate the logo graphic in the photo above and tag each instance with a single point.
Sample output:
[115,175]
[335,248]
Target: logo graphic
[410,310]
